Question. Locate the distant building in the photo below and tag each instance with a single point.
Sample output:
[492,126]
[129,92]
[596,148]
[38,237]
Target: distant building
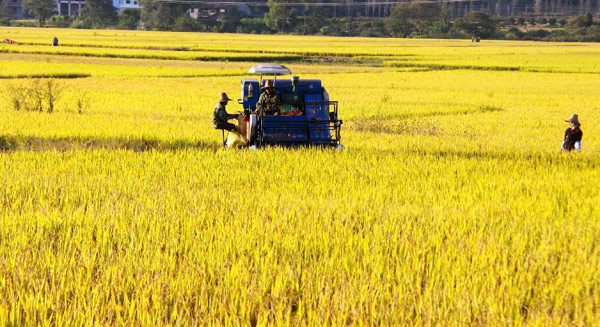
[121,5]
[216,10]
[73,7]
[69,7]
[15,5]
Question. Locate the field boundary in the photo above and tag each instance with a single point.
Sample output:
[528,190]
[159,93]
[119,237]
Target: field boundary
[188,49]
[52,75]
[141,56]
[451,67]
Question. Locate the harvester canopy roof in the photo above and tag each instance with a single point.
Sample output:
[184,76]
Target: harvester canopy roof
[269,69]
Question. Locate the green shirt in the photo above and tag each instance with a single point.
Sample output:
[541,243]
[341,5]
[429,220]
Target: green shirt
[268,103]
[220,115]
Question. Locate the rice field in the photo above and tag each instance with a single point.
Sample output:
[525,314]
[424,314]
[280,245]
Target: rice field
[451,205]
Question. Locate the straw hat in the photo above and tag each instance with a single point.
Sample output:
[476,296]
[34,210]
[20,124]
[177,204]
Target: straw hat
[269,84]
[573,119]
[224,97]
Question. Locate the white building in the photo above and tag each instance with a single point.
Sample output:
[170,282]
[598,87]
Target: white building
[121,5]
[73,7]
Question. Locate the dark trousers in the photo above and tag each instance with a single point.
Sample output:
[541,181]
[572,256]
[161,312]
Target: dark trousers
[226,126]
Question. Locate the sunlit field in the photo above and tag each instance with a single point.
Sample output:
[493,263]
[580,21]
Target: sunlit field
[450,206]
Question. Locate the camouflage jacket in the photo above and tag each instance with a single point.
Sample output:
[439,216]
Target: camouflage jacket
[268,103]
[220,115]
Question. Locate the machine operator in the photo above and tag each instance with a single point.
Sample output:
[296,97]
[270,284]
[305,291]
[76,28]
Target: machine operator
[221,117]
[268,101]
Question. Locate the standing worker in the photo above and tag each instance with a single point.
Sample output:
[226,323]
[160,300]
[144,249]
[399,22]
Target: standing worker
[268,100]
[573,135]
[55,42]
[221,117]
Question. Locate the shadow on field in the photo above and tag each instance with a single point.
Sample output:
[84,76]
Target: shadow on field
[574,160]
[411,123]
[451,67]
[10,143]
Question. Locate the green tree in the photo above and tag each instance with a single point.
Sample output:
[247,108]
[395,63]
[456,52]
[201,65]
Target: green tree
[424,14]
[252,25]
[99,13]
[205,24]
[6,14]
[41,9]
[580,21]
[61,21]
[129,19]
[160,15]
[372,28]
[445,16]
[230,20]
[417,16]
[279,16]
[314,22]
[184,23]
[398,23]
[479,24]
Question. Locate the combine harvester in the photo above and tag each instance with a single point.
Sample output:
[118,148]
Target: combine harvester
[306,115]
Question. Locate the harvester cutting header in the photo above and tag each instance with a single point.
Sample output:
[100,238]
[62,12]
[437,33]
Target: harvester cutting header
[282,112]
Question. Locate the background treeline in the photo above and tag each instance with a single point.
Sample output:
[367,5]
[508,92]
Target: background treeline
[409,19]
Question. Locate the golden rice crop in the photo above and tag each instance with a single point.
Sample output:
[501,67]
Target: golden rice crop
[451,205]
[436,54]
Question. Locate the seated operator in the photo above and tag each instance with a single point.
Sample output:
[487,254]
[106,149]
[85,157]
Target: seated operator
[221,117]
[268,101]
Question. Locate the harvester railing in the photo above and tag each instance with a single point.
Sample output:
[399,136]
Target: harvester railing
[308,126]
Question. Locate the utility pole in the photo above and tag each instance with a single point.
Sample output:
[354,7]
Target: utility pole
[284,16]
[305,29]
[348,8]
[334,10]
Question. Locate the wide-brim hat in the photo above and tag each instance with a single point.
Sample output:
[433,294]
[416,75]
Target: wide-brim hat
[268,85]
[224,97]
[573,119]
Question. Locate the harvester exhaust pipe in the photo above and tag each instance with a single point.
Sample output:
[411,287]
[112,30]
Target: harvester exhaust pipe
[295,80]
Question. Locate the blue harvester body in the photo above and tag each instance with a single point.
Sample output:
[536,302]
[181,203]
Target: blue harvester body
[313,122]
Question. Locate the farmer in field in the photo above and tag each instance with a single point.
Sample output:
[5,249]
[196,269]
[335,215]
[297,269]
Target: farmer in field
[55,42]
[268,100]
[573,135]
[221,117]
